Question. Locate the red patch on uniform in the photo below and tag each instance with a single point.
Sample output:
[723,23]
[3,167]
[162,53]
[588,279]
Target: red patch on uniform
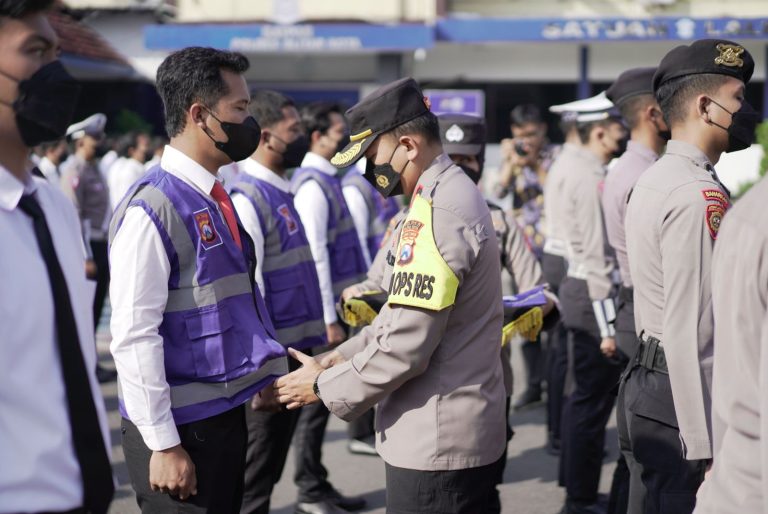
[714,216]
[205,226]
[290,221]
[715,195]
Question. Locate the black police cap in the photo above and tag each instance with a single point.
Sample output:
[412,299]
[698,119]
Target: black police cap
[634,82]
[388,107]
[716,56]
[462,134]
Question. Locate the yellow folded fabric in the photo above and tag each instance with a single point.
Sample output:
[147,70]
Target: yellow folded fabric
[527,326]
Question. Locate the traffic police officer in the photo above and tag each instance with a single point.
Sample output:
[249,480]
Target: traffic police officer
[587,296]
[739,290]
[82,183]
[632,93]
[430,360]
[672,221]
[553,262]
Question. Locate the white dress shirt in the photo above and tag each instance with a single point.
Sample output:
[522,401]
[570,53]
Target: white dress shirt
[358,208]
[138,293]
[122,175]
[312,206]
[247,213]
[50,171]
[39,470]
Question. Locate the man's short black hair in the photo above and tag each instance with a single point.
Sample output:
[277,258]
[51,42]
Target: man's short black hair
[525,113]
[317,116]
[127,143]
[194,75]
[585,129]
[425,125]
[267,107]
[21,8]
[632,108]
[675,95]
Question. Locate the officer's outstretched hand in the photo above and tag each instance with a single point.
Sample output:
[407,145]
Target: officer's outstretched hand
[297,389]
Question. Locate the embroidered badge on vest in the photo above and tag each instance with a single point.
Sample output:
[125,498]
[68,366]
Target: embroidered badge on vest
[717,204]
[208,235]
[290,222]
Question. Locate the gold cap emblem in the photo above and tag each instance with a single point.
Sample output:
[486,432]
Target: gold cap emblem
[729,55]
[382,181]
[340,159]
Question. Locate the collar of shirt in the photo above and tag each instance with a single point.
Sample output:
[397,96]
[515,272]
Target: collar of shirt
[643,151]
[441,163]
[261,172]
[320,163]
[12,189]
[682,148]
[181,165]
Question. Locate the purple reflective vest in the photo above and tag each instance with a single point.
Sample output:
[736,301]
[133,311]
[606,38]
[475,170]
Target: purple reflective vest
[344,251]
[380,209]
[291,287]
[218,341]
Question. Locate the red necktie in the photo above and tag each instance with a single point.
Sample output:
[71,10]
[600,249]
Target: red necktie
[225,204]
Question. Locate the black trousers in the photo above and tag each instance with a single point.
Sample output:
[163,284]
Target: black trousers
[463,491]
[588,408]
[495,505]
[653,439]
[100,251]
[554,269]
[217,448]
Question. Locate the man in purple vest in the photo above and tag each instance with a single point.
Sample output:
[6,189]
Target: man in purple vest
[286,274]
[192,339]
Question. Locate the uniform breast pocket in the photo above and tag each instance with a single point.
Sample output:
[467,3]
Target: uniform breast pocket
[286,298]
[214,350]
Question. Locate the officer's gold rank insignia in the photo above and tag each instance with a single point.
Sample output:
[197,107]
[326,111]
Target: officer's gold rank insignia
[382,181]
[729,55]
[340,159]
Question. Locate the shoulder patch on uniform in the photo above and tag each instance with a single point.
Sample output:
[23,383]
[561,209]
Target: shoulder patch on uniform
[715,195]
[290,222]
[408,236]
[481,234]
[714,216]
[209,238]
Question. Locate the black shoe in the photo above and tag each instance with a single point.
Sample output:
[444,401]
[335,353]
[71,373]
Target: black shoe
[362,446]
[323,507]
[104,375]
[346,502]
[529,398]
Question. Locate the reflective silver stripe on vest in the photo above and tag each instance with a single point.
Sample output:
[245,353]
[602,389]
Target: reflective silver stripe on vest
[199,392]
[330,195]
[376,226]
[174,226]
[291,335]
[208,294]
[287,259]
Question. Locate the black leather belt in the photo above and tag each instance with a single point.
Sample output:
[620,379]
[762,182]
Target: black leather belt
[626,294]
[650,355]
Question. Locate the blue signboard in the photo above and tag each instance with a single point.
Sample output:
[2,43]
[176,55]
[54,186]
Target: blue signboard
[265,38]
[480,29]
[456,101]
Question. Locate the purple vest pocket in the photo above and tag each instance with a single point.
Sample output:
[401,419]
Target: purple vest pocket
[287,299]
[214,352]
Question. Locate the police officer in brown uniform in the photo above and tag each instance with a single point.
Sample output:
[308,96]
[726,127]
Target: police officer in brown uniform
[83,183]
[632,93]
[430,360]
[672,221]
[587,298]
[737,483]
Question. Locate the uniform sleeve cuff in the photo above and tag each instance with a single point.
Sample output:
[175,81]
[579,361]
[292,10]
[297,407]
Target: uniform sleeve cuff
[160,436]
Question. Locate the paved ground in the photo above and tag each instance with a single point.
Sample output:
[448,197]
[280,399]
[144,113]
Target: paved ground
[530,485]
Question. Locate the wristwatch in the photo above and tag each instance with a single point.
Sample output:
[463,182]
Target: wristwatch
[315,388]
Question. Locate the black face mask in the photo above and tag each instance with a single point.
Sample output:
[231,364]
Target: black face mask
[472,174]
[242,138]
[664,135]
[741,132]
[294,151]
[621,147]
[46,104]
[384,177]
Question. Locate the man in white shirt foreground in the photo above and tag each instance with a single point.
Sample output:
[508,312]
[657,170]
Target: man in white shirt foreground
[54,434]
